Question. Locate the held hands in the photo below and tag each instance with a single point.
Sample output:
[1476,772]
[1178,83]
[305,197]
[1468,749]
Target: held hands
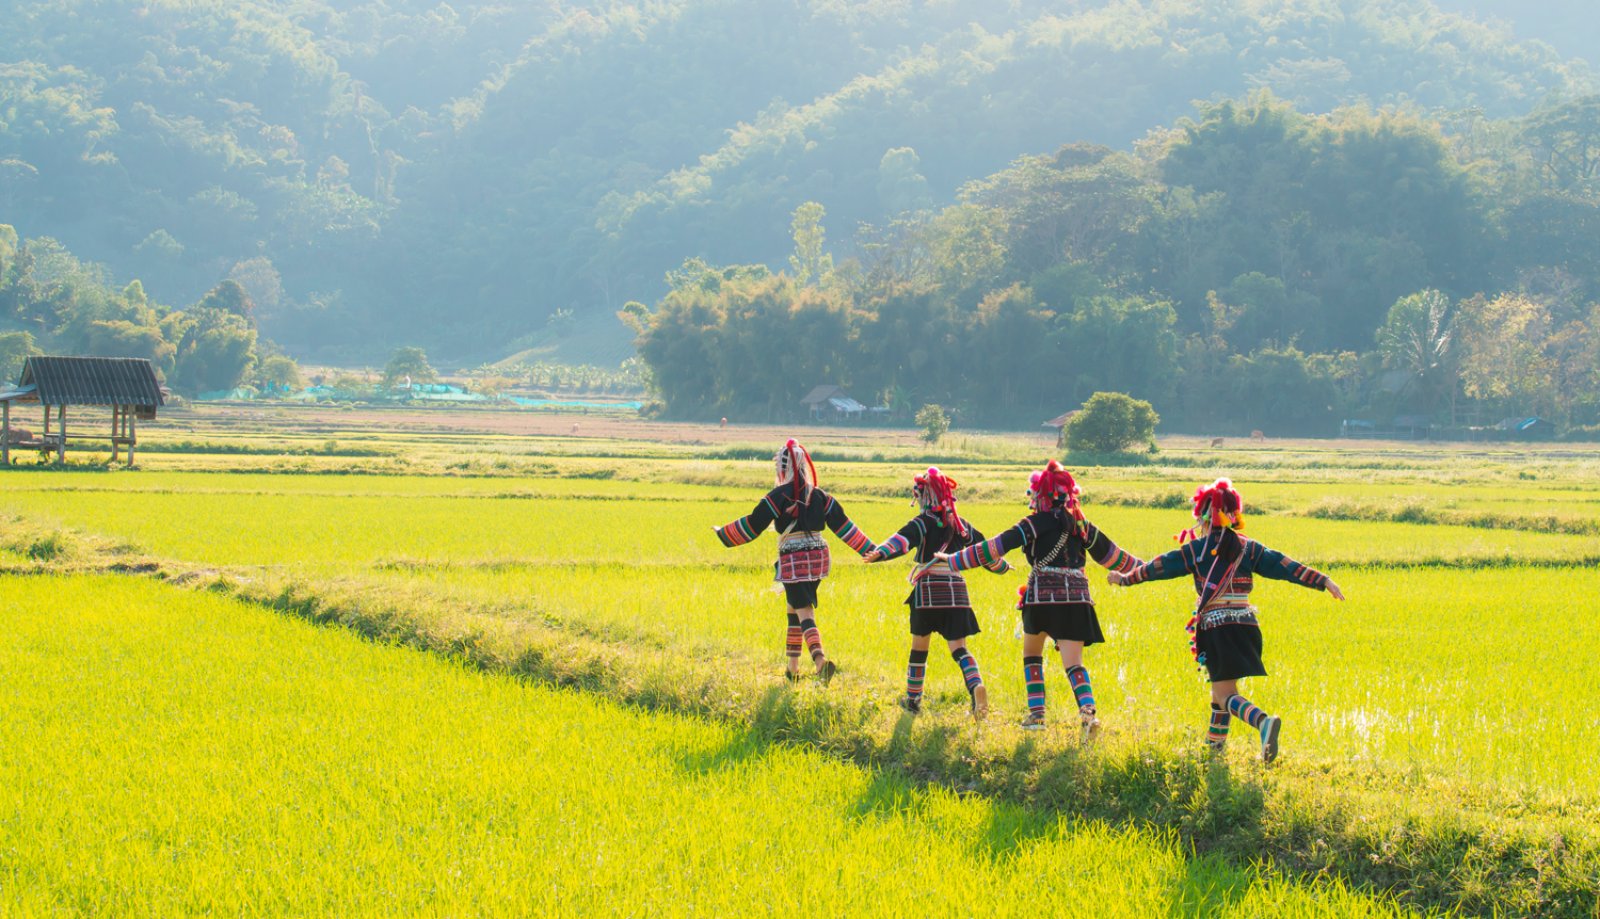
[1334,591]
[1116,579]
[941,556]
[876,555]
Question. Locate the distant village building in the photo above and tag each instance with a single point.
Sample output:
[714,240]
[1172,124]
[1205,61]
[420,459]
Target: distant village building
[127,386]
[832,403]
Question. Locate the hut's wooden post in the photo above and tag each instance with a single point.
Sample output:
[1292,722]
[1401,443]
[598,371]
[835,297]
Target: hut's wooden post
[47,421]
[133,435]
[5,436]
[61,445]
[116,429]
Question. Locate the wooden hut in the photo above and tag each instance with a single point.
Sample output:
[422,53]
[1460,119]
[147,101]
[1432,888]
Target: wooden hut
[126,385]
[831,403]
[1059,422]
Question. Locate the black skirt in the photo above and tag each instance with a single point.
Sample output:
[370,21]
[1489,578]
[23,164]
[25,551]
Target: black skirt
[950,622]
[801,594]
[1230,651]
[1063,621]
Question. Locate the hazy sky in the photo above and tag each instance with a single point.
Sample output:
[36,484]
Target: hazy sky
[1570,26]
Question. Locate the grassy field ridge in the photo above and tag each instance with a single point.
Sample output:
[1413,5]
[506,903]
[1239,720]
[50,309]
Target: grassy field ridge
[1430,843]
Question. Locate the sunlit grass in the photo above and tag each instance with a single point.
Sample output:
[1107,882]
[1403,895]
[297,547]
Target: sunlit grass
[1452,694]
[365,520]
[174,753]
[1399,677]
[1402,677]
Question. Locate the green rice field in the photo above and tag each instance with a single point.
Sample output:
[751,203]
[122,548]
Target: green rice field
[1440,725]
[176,753]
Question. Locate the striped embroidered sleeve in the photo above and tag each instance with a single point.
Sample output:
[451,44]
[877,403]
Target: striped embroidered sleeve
[1270,563]
[1107,553]
[1174,564]
[847,531]
[990,551]
[749,526]
[909,537]
[975,536]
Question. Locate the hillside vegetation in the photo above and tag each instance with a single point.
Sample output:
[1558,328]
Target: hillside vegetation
[386,172]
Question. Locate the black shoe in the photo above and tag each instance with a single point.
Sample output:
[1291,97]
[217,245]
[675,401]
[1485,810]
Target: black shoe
[912,705]
[826,671]
[792,676]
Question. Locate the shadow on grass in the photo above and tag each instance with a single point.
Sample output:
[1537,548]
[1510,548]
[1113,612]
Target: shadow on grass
[1207,882]
[750,742]
[1306,830]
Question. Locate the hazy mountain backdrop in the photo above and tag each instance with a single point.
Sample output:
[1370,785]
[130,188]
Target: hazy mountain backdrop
[383,172]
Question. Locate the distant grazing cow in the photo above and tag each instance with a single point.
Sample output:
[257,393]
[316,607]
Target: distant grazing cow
[19,436]
[1216,441]
[1257,435]
[724,422]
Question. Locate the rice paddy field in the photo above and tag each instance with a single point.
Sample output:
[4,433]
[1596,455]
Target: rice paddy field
[178,753]
[547,686]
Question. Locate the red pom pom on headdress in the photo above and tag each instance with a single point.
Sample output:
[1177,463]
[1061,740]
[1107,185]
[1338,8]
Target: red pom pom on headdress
[1053,486]
[937,492]
[1219,504]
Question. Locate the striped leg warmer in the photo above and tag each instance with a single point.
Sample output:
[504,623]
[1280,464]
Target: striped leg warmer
[1033,676]
[969,669]
[813,638]
[1246,711]
[1217,732]
[917,669]
[1078,677]
[791,645]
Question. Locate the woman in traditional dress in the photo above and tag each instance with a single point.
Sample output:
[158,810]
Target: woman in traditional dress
[1225,635]
[800,510]
[1056,539]
[938,599]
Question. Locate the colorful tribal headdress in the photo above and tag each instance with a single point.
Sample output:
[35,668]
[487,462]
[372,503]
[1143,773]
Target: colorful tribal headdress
[795,469]
[1218,504]
[936,492]
[1054,489]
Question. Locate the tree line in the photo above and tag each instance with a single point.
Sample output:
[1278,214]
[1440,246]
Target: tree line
[375,173]
[1253,266]
[50,300]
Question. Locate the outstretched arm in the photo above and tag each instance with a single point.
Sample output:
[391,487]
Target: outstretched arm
[847,531]
[909,537]
[750,525]
[1270,563]
[991,551]
[1107,554]
[1174,564]
[998,566]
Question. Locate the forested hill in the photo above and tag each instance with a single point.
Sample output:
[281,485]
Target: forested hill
[382,172]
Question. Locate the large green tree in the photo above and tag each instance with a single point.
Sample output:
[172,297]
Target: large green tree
[1418,339]
[215,350]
